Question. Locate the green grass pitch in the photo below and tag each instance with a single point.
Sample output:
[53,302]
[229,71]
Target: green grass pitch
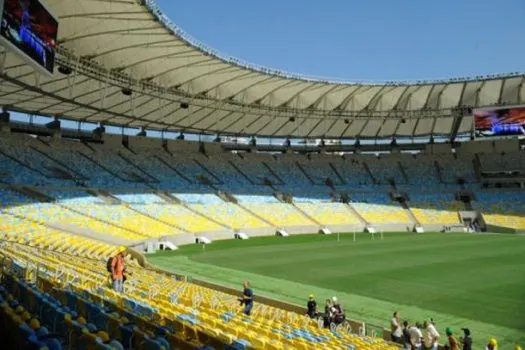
[460,280]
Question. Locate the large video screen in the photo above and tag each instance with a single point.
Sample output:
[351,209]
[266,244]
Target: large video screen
[29,29]
[504,121]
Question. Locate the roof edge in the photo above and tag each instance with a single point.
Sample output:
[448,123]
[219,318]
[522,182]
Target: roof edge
[156,11]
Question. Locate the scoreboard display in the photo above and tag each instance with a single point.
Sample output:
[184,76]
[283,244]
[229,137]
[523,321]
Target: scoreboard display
[29,29]
[501,121]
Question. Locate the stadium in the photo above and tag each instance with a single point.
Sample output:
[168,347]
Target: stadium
[131,152]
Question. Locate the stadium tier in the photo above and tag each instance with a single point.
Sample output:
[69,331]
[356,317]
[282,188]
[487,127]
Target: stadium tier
[71,298]
[140,194]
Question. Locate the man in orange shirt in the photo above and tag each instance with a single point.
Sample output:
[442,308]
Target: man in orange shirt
[117,271]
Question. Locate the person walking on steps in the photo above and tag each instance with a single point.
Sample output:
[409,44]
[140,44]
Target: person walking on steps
[117,270]
[247,298]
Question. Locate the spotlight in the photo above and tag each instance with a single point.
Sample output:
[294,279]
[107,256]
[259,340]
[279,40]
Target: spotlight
[403,121]
[65,70]
[347,121]
[292,119]
[184,105]
[127,91]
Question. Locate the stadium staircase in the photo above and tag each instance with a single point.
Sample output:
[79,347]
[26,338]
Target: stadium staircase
[104,221]
[139,212]
[97,164]
[187,179]
[209,173]
[410,214]
[438,172]
[305,173]
[105,196]
[306,215]
[403,172]
[374,180]
[356,214]
[31,193]
[73,173]
[273,173]
[254,214]
[476,162]
[40,172]
[337,174]
[227,197]
[241,172]
[283,197]
[139,169]
[204,216]
[168,197]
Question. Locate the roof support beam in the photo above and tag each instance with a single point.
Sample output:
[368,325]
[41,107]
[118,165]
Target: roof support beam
[458,118]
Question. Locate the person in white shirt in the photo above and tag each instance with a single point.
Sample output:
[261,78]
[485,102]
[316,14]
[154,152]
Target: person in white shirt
[431,336]
[395,327]
[416,337]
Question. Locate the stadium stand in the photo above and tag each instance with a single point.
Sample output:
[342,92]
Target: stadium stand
[178,216]
[504,209]
[385,169]
[132,210]
[82,310]
[256,168]
[329,213]
[503,161]
[430,208]
[379,209]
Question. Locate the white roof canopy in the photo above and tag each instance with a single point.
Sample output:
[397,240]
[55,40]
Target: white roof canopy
[111,45]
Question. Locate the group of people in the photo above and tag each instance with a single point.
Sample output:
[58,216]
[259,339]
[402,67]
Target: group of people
[333,311]
[426,337]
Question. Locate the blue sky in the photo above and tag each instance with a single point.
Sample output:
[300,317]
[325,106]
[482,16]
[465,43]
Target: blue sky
[362,39]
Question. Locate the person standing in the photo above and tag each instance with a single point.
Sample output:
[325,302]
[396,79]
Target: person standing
[395,328]
[467,339]
[327,313]
[416,337]
[492,345]
[406,336]
[117,270]
[452,343]
[311,307]
[431,336]
[338,313]
[247,298]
